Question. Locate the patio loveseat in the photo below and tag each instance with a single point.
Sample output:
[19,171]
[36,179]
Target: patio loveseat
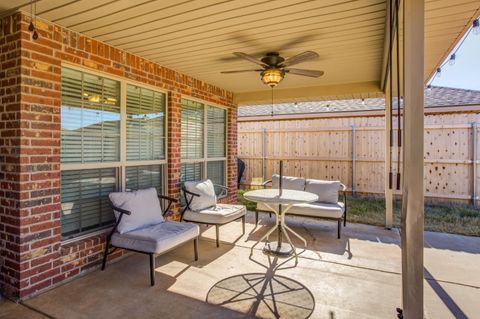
[328,205]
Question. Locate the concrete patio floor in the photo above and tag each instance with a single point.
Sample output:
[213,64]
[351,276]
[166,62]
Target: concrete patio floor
[358,276]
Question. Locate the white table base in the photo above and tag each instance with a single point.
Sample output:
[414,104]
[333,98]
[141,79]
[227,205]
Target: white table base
[279,248]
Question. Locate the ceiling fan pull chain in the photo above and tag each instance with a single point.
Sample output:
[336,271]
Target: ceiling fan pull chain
[272,101]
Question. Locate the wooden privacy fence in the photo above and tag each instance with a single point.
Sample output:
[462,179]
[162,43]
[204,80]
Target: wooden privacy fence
[355,155]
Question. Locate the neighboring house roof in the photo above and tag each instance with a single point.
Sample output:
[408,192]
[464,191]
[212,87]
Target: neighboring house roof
[434,96]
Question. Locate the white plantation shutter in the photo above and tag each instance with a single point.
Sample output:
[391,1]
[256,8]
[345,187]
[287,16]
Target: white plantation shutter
[91,133]
[199,120]
[216,128]
[85,200]
[145,124]
[192,130]
[191,172]
[145,176]
[90,118]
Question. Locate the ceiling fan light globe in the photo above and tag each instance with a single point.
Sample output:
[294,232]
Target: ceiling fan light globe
[272,77]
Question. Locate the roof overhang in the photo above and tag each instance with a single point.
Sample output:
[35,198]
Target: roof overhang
[198,37]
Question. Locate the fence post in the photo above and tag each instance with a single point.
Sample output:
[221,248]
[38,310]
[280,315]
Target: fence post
[474,164]
[264,147]
[353,160]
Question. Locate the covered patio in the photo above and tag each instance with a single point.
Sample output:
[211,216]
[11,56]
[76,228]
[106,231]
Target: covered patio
[116,96]
[358,276]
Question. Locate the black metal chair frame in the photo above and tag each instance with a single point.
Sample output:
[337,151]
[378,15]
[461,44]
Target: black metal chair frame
[107,251]
[339,220]
[188,201]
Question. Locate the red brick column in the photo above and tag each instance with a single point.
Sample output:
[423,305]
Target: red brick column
[10,155]
[173,149]
[40,158]
[232,156]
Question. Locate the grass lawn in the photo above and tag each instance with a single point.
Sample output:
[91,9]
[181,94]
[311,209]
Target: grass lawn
[454,219]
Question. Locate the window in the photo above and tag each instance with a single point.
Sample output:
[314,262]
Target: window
[203,142]
[108,144]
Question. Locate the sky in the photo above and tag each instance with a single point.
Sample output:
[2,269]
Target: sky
[465,73]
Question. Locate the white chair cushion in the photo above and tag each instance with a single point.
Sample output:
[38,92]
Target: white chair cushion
[220,214]
[205,189]
[144,206]
[157,238]
[289,182]
[317,209]
[327,191]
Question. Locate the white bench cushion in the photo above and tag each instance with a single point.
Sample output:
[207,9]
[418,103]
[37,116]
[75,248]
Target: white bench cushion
[144,206]
[157,238]
[220,214]
[318,209]
[327,191]
[205,189]
[289,182]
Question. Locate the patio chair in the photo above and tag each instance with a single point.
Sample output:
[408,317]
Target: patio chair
[201,206]
[140,226]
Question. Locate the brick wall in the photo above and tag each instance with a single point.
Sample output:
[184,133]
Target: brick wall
[34,257]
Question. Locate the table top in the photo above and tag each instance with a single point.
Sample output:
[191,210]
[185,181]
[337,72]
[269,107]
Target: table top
[272,196]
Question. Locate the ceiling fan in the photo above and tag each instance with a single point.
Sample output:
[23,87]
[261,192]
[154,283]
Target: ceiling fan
[274,66]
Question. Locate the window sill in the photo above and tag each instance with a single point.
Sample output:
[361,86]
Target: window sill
[73,240]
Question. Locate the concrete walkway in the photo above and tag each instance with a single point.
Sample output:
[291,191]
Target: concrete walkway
[358,276]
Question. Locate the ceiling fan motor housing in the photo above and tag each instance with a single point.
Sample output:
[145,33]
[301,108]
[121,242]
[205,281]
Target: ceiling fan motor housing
[272,59]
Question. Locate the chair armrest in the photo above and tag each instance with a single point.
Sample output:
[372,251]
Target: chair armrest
[343,189]
[170,201]
[187,201]
[120,210]
[119,219]
[184,190]
[264,184]
[224,189]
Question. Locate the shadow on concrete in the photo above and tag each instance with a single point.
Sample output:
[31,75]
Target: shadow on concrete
[264,295]
[444,296]
[123,291]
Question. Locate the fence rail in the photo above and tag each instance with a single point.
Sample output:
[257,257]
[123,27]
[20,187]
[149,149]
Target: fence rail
[355,154]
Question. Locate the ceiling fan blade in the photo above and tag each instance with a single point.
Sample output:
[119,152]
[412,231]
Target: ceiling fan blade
[299,58]
[310,73]
[240,71]
[249,58]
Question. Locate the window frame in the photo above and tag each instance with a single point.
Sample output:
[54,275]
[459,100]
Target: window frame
[205,159]
[123,163]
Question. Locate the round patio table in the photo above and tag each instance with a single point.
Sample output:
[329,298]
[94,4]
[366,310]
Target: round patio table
[279,202]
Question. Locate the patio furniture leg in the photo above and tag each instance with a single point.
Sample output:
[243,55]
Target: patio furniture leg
[339,228]
[256,218]
[345,219]
[217,231]
[298,236]
[264,236]
[105,254]
[291,244]
[243,224]
[152,269]
[195,248]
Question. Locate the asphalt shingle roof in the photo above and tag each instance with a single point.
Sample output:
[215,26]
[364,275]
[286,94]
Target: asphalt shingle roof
[434,96]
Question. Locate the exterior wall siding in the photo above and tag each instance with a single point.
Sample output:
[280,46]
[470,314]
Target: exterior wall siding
[33,255]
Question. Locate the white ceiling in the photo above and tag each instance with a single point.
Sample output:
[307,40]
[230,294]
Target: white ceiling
[197,37]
